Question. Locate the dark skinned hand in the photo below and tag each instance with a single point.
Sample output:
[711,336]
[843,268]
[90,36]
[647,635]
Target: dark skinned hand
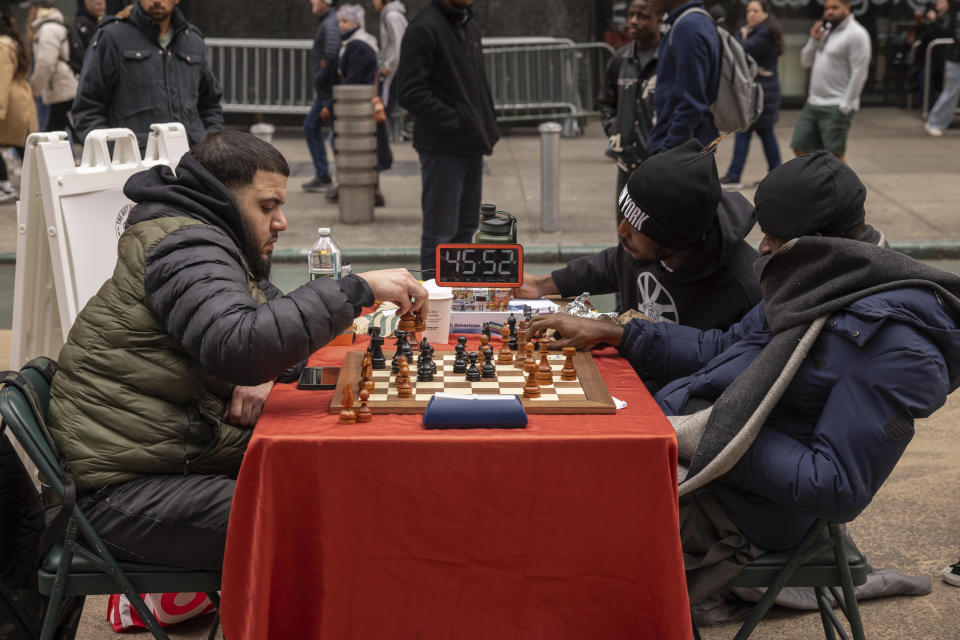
[582,333]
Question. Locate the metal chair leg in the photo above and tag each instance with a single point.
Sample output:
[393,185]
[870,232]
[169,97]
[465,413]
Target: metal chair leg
[852,610]
[215,599]
[825,614]
[59,585]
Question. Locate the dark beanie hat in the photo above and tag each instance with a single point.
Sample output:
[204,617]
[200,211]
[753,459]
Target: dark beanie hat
[672,197]
[815,193]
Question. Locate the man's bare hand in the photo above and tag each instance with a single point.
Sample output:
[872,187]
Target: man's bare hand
[816,31]
[397,286]
[535,287]
[246,404]
[582,333]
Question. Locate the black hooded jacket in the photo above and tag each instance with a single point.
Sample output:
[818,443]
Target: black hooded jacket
[712,290]
[197,282]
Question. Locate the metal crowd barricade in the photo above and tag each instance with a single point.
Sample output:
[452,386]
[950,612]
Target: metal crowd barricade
[938,42]
[532,79]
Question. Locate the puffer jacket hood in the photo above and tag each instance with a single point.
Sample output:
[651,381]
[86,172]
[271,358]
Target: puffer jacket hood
[192,190]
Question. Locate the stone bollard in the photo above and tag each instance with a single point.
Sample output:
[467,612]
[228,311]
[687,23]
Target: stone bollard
[356,157]
[549,175]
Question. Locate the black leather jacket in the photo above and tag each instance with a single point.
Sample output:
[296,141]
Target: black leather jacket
[626,105]
[128,80]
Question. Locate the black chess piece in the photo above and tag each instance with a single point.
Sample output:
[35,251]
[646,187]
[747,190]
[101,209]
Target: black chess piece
[424,370]
[512,323]
[460,362]
[462,342]
[487,331]
[424,344]
[395,364]
[376,349]
[407,348]
[527,313]
[473,374]
[433,364]
[489,369]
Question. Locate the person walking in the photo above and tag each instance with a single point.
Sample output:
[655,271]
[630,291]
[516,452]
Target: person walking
[942,112]
[52,79]
[838,56]
[323,69]
[762,38]
[18,115]
[626,99]
[85,24]
[441,81]
[393,24]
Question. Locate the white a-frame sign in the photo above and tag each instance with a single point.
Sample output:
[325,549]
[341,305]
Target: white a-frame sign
[69,219]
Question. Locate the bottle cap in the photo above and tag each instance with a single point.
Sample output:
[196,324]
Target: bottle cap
[323,230]
[487,210]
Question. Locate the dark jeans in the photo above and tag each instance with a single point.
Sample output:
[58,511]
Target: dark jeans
[60,118]
[450,200]
[313,131]
[741,146]
[173,520]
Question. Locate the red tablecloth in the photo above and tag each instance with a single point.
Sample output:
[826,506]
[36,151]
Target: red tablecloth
[565,529]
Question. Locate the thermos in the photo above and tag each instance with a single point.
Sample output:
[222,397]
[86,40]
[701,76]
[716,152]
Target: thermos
[496,227]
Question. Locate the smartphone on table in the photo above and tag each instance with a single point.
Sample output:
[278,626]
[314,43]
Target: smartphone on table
[319,378]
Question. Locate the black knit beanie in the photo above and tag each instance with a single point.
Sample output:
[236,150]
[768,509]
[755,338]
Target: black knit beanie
[815,193]
[672,197]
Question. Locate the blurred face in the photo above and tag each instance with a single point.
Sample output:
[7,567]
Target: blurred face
[261,205]
[345,25]
[319,7]
[835,11]
[96,8]
[755,14]
[770,244]
[941,6]
[642,23]
[159,10]
[378,5]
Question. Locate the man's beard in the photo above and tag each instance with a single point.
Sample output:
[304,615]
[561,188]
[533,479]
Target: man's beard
[259,263]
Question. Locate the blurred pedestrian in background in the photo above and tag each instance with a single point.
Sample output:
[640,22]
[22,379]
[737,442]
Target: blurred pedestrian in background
[323,69]
[393,24]
[18,116]
[85,23]
[762,38]
[942,111]
[626,99]
[52,79]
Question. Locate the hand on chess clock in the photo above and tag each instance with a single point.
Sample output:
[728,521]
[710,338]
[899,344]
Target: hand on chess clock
[535,287]
[397,286]
[582,333]
[246,404]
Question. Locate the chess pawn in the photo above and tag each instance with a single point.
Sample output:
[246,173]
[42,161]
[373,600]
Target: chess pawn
[532,389]
[407,323]
[488,371]
[364,414]
[347,414]
[505,356]
[544,370]
[420,322]
[529,364]
[512,325]
[460,362]
[404,388]
[568,372]
[473,374]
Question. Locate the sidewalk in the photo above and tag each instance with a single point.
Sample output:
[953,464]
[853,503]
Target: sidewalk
[911,181]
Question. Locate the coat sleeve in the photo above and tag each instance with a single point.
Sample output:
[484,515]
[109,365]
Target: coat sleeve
[395,23]
[196,285]
[97,81]
[665,351]
[608,96]
[8,69]
[859,56]
[596,273]
[415,88]
[809,53]
[208,98]
[691,55]
[864,427]
[46,55]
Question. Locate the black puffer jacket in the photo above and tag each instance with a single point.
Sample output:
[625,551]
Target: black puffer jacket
[129,81]
[441,81]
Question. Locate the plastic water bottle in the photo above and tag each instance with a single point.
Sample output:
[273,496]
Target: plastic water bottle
[324,258]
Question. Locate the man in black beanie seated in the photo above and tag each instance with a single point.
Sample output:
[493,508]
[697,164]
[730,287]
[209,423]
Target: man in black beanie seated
[802,409]
[681,259]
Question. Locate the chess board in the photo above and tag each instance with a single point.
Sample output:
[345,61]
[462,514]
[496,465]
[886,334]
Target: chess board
[587,394]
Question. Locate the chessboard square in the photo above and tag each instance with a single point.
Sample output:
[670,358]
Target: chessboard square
[486,385]
[456,383]
[377,397]
[486,390]
[460,391]
[569,391]
[423,397]
[508,379]
[422,386]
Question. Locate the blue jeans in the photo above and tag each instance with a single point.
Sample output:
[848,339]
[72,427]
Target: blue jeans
[741,146]
[942,112]
[450,200]
[313,131]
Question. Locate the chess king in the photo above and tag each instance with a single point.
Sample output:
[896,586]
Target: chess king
[167,367]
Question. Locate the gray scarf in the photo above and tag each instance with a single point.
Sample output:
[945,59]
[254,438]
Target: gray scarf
[804,282]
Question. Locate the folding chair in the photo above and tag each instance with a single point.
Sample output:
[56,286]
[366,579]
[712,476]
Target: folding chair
[826,558]
[81,564]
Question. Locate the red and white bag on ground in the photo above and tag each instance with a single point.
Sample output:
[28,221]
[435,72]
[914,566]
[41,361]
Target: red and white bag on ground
[168,608]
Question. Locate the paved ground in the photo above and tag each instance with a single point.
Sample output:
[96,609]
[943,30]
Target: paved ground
[913,191]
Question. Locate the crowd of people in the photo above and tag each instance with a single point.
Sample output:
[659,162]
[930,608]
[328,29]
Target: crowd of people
[167,368]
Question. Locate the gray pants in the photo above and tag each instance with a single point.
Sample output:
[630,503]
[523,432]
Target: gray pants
[173,520]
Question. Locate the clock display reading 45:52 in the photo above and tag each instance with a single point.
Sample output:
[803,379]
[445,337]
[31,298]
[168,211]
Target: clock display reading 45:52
[479,265]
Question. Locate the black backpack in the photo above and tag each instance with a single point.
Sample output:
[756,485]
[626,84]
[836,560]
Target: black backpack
[75,42]
[28,527]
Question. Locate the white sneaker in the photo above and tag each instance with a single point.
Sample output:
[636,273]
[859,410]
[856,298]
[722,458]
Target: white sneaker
[7,195]
[951,574]
[936,133]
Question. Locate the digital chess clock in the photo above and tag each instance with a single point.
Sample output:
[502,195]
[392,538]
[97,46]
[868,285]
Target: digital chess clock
[479,265]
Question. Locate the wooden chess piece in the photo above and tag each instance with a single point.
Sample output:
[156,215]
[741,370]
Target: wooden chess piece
[347,414]
[420,321]
[368,382]
[505,356]
[408,323]
[544,371]
[484,341]
[529,364]
[532,389]
[404,388]
[569,372]
[364,413]
[521,345]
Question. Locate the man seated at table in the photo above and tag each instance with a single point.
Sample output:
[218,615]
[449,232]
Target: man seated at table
[168,366]
[888,353]
[681,257]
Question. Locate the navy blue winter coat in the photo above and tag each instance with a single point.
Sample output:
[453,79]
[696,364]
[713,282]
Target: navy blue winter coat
[688,72]
[759,44]
[840,426]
